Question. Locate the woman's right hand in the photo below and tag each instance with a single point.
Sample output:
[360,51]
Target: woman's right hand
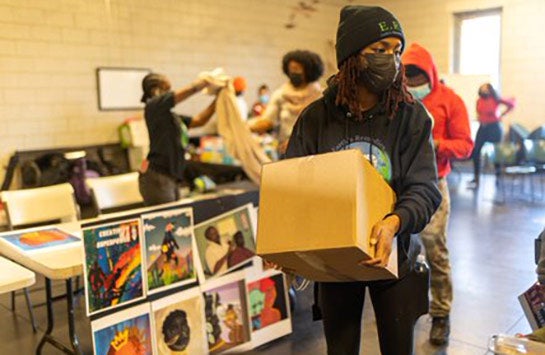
[270,265]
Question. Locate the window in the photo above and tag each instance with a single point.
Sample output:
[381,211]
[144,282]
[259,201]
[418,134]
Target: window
[477,43]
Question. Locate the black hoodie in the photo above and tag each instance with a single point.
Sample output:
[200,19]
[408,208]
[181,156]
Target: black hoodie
[401,149]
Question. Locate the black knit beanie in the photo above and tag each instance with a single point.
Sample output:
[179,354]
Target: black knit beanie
[359,26]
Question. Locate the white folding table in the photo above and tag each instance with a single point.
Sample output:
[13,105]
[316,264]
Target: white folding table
[14,276]
[55,264]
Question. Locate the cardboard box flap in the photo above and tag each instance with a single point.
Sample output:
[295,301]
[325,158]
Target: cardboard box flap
[333,265]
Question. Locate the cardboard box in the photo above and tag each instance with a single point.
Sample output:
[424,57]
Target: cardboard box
[316,214]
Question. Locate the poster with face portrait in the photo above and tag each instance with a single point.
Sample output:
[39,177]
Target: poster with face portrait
[268,305]
[169,249]
[225,242]
[112,264]
[226,313]
[179,323]
[124,332]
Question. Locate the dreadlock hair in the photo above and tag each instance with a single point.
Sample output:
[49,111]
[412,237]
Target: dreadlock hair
[347,94]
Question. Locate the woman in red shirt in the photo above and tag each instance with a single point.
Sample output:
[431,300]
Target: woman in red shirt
[490,130]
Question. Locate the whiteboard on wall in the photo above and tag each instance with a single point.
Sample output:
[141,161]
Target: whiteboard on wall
[120,88]
[467,87]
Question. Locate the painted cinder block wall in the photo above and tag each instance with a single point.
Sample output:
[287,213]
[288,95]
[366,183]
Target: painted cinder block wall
[50,49]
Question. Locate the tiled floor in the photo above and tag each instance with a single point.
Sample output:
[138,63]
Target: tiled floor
[491,246]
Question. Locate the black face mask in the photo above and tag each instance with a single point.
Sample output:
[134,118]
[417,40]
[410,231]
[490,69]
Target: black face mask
[296,79]
[378,71]
[484,95]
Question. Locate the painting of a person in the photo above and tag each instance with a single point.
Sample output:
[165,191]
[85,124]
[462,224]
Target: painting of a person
[96,278]
[239,252]
[216,252]
[169,244]
[231,321]
[269,314]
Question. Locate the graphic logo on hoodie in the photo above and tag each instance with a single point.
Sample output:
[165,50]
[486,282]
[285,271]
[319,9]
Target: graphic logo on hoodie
[374,152]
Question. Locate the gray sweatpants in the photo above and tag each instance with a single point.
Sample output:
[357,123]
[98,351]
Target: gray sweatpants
[157,188]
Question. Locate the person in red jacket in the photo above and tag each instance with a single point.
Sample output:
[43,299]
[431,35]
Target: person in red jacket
[452,140]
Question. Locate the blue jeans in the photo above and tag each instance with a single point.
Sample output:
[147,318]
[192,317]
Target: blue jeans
[491,132]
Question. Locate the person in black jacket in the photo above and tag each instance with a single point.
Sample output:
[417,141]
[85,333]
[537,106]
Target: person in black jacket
[367,106]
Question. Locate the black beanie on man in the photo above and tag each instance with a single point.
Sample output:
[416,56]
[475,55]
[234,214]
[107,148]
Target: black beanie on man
[359,26]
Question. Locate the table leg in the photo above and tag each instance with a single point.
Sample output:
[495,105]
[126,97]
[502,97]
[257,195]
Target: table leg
[30,310]
[50,321]
[48,338]
[71,321]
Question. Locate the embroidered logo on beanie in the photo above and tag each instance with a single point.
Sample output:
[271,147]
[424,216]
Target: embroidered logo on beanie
[360,26]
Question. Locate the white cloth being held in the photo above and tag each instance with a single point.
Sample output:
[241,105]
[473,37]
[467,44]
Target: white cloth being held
[232,127]
[237,137]
[216,79]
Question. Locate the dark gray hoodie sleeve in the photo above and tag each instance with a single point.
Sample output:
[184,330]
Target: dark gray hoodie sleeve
[417,194]
[303,138]
[540,270]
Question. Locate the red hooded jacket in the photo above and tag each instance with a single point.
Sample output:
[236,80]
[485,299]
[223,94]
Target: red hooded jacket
[451,122]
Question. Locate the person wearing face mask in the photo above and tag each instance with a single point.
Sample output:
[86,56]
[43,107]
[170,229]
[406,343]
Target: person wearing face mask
[490,128]
[452,140]
[263,97]
[303,68]
[366,106]
[239,84]
[164,166]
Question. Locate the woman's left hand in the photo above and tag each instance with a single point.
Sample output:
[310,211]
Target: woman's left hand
[382,237]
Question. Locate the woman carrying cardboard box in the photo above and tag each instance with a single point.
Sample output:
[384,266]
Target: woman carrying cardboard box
[367,106]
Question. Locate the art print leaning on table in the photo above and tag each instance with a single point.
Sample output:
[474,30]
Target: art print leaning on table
[112,264]
[226,312]
[268,305]
[125,332]
[179,323]
[169,249]
[225,242]
[41,240]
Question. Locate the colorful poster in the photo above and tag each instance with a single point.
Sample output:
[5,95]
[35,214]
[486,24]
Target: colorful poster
[268,307]
[179,323]
[41,240]
[226,311]
[169,249]
[225,242]
[533,304]
[125,332]
[112,265]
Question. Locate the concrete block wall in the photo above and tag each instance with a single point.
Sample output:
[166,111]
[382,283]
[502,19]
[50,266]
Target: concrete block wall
[50,49]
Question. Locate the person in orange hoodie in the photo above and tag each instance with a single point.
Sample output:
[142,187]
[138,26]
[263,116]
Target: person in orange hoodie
[452,140]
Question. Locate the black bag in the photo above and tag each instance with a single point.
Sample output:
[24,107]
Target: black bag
[48,169]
